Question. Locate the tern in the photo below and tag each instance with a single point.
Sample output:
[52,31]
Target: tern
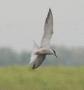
[39,53]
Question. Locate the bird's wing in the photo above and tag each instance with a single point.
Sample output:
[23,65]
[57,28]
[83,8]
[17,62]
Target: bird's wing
[48,30]
[38,61]
[33,58]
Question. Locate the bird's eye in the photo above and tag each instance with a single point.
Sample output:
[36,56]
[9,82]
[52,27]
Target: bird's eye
[53,51]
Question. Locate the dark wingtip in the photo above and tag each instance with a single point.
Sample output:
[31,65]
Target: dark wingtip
[50,11]
[34,67]
[49,14]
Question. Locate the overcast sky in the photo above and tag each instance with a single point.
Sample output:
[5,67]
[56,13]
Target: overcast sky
[22,21]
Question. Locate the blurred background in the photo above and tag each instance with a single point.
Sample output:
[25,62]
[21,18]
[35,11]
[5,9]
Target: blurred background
[22,21]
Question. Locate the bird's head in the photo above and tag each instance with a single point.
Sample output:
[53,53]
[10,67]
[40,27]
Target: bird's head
[54,53]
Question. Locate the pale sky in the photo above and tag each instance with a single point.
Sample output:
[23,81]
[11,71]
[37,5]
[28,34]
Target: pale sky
[22,21]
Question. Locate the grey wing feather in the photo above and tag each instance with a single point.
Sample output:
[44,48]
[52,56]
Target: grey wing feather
[38,61]
[48,30]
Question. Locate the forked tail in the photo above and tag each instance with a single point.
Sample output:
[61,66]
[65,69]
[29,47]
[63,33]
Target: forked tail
[33,56]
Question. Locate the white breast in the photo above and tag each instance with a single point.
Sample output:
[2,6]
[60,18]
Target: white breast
[43,51]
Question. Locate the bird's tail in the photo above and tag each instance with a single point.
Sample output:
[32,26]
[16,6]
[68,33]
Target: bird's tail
[33,56]
[35,46]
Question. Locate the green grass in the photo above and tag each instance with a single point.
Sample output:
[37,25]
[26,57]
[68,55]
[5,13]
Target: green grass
[44,78]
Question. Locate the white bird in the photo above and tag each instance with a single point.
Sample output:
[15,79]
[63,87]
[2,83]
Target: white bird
[39,53]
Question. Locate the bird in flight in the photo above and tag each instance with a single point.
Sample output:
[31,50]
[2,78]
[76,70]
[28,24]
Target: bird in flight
[39,53]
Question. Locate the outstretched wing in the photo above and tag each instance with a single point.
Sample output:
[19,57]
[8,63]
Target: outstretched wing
[38,61]
[48,30]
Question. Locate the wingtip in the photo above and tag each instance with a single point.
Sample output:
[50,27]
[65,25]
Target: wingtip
[50,11]
[34,67]
[49,14]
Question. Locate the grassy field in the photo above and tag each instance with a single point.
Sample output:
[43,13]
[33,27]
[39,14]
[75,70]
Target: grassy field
[46,78]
